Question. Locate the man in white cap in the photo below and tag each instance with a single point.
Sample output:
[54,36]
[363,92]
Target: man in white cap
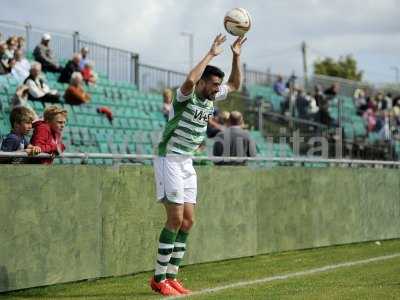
[84,58]
[45,56]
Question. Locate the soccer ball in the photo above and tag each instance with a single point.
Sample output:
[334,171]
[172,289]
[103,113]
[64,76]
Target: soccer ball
[237,21]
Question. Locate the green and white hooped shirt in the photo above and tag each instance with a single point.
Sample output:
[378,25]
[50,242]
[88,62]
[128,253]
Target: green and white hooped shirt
[187,124]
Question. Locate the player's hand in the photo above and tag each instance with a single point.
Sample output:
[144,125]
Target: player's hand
[216,48]
[237,45]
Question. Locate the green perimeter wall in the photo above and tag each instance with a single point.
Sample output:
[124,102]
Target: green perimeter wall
[67,223]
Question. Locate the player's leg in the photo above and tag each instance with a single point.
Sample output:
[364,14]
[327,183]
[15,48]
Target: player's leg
[180,241]
[170,193]
[190,194]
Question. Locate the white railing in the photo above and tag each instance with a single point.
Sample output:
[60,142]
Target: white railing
[329,161]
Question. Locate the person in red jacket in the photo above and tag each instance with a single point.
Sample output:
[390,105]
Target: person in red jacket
[47,133]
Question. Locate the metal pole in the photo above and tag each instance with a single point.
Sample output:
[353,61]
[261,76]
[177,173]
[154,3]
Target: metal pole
[28,28]
[108,62]
[304,53]
[76,41]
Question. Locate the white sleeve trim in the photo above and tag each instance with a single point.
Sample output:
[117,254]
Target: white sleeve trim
[223,93]
[182,98]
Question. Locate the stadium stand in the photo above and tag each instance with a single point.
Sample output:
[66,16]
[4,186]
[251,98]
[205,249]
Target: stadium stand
[136,127]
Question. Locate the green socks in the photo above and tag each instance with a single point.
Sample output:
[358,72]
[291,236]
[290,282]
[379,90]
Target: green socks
[165,250]
[177,254]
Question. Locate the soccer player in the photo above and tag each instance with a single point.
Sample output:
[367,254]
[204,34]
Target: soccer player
[175,177]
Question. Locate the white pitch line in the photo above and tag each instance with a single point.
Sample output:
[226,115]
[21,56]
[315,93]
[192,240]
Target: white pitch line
[286,276]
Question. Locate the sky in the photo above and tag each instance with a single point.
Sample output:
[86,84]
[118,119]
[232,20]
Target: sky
[367,29]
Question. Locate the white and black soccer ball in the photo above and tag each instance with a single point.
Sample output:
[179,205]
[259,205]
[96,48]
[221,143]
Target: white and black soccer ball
[237,21]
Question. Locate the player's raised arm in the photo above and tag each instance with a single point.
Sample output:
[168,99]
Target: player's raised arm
[195,74]
[235,78]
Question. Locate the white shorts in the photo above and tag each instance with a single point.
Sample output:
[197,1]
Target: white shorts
[176,179]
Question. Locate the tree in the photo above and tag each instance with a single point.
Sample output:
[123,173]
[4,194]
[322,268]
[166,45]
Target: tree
[345,67]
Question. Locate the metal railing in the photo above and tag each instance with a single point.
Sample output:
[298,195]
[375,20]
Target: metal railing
[329,162]
[156,79]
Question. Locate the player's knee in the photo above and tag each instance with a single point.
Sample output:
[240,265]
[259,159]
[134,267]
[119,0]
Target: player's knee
[175,222]
[187,224]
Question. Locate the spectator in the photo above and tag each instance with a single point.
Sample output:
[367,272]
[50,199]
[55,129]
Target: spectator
[217,123]
[332,91]
[20,43]
[43,54]
[11,44]
[370,119]
[20,99]
[21,69]
[302,104]
[167,105]
[6,63]
[48,133]
[38,90]
[234,141]
[71,67]
[84,59]
[319,95]
[21,119]
[279,86]
[360,101]
[89,76]
[75,94]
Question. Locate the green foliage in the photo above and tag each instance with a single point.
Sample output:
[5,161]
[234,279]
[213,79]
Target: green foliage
[345,67]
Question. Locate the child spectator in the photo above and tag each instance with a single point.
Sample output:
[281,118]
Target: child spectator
[20,43]
[38,90]
[20,99]
[21,69]
[48,133]
[6,63]
[75,94]
[21,119]
[71,67]
[12,44]
[84,58]
[89,76]
[44,54]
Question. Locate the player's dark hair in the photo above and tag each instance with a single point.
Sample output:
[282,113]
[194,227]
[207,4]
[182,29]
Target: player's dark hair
[212,71]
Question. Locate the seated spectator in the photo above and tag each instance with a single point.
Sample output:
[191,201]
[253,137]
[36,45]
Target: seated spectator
[20,99]
[47,134]
[217,123]
[21,119]
[302,104]
[20,43]
[167,105]
[89,76]
[360,101]
[38,89]
[43,54]
[84,58]
[279,86]
[22,66]
[72,66]
[75,94]
[234,141]
[370,119]
[6,63]
[319,95]
[12,43]
[332,91]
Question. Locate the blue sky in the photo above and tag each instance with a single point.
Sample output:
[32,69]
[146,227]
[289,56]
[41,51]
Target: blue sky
[370,30]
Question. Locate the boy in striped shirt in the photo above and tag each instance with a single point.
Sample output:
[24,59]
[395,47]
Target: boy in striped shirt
[176,180]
